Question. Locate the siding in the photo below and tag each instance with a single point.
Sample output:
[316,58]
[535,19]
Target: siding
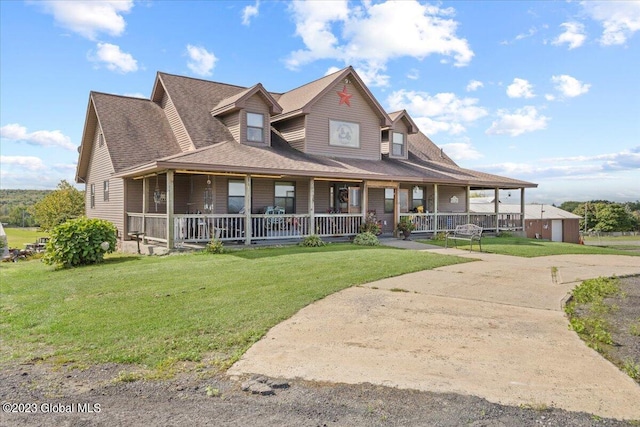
[317,141]
[232,122]
[263,194]
[99,170]
[302,196]
[134,195]
[444,199]
[293,132]
[321,191]
[376,203]
[384,146]
[176,124]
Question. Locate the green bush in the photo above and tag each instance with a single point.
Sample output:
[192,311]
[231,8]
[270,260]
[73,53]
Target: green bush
[371,224]
[441,236]
[366,239]
[214,247]
[80,241]
[312,241]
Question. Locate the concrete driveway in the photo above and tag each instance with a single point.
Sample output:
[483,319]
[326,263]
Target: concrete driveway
[493,328]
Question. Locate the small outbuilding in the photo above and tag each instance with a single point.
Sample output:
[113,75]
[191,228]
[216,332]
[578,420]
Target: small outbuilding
[541,221]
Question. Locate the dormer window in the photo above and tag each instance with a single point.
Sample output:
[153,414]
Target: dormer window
[255,127]
[397,146]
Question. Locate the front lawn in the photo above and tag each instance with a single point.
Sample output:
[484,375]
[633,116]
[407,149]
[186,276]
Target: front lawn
[19,237]
[155,311]
[529,248]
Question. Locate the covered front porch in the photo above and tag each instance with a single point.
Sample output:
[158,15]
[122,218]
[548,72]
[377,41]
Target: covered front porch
[175,207]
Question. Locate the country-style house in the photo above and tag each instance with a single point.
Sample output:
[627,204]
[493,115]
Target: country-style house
[202,160]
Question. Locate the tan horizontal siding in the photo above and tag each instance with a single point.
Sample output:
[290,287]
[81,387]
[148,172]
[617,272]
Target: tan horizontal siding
[182,136]
[293,132]
[444,198]
[302,196]
[263,194]
[322,196]
[232,122]
[328,108]
[134,195]
[100,170]
[376,203]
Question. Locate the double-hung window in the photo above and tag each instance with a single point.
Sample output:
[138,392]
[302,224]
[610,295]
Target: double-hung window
[255,127]
[417,198]
[236,196]
[93,196]
[397,145]
[105,190]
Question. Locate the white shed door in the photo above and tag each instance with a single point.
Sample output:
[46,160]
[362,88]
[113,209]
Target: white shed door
[556,230]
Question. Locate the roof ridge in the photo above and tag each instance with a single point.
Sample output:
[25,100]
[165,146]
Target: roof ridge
[318,79]
[95,92]
[204,80]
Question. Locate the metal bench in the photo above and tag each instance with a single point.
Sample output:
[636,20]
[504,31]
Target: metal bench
[467,232]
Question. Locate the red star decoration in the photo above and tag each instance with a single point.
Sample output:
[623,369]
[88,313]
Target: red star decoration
[344,96]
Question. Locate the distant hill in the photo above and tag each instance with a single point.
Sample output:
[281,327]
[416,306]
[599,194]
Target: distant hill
[11,199]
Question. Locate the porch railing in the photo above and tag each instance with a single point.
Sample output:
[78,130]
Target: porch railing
[153,225]
[337,224]
[197,228]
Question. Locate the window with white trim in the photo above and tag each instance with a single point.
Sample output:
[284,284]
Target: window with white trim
[397,145]
[255,127]
[93,196]
[285,193]
[236,196]
[389,200]
[105,190]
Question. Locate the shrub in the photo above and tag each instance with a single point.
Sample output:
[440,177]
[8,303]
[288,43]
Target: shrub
[312,241]
[441,236]
[214,247]
[80,241]
[366,239]
[371,224]
[505,234]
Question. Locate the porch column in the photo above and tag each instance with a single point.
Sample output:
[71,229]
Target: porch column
[496,207]
[364,202]
[522,210]
[145,206]
[170,199]
[435,209]
[312,206]
[467,205]
[248,232]
[396,206]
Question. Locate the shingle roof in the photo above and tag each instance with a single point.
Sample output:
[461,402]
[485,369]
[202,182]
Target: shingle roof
[194,99]
[531,211]
[135,130]
[237,101]
[296,99]
[421,147]
[280,158]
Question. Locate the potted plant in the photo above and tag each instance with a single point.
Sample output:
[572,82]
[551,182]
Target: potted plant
[406,226]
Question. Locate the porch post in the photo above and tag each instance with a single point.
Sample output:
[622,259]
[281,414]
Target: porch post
[435,209]
[468,204]
[496,206]
[396,206]
[248,232]
[312,206]
[145,206]
[522,204]
[170,198]
[365,200]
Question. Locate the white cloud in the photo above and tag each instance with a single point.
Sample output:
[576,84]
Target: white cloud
[520,88]
[201,61]
[522,120]
[443,112]
[532,31]
[569,86]
[113,58]
[628,159]
[29,163]
[374,33]
[620,19]
[249,12]
[474,85]
[550,97]
[89,18]
[573,35]
[461,151]
[44,138]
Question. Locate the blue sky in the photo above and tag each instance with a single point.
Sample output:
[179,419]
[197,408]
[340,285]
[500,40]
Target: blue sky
[542,91]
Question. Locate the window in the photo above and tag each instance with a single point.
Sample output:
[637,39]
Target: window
[397,148]
[255,127]
[286,196]
[236,196]
[417,199]
[93,195]
[344,134]
[389,200]
[100,139]
[105,190]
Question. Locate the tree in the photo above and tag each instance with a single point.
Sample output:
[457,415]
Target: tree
[614,217]
[591,214]
[65,203]
[570,206]
[20,216]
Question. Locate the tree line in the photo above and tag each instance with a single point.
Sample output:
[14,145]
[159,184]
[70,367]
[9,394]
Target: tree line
[41,208]
[605,216]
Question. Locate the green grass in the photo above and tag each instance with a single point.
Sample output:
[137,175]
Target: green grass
[18,237]
[523,247]
[154,311]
